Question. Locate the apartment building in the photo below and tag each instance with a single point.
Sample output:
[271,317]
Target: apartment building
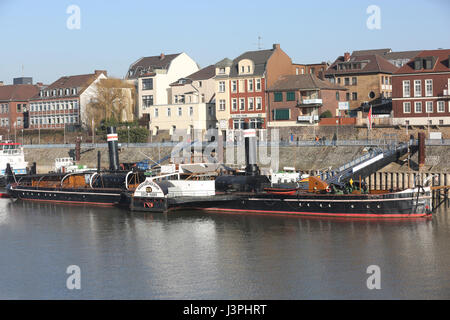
[298,100]
[421,90]
[368,78]
[153,75]
[64,102]
[191,107]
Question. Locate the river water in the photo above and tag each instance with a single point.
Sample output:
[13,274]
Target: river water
[195,255]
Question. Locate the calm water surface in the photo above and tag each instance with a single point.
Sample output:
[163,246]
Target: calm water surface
[193,255]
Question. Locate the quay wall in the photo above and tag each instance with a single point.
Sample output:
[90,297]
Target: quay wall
[304,158]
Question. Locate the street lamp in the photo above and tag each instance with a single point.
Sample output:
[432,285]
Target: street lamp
[128,134]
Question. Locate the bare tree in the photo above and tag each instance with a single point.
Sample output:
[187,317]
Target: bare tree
[114,99]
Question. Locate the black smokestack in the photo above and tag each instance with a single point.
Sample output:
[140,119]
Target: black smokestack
[113,148]
[251,168]
[99,155]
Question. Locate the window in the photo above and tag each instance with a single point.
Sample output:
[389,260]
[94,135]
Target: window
[221,70]
[337,95]
[347,96]
[406,89]
[202,97]
[382,79]
[354,96]
[19,108]
[347,81]
[168,112]
[234,104]
[199,84]
[258,103]
[156,112]
[221,86]
[250,85]
[147,84]
[233,86]
[258,84]
[429,106]
[238,124]
[290,96]
[417,88]
[211,111]
[440,106]
[354,81]
[242,69]
[339,80]
[242,104]
[278,96]
[191,111]
[417,107]
[429,88]
[147,101]
[251,104]
[222,104]
[281,114]
[180,111]
[248,69]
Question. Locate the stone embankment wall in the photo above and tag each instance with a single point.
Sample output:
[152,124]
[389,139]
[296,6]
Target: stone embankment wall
[302,158]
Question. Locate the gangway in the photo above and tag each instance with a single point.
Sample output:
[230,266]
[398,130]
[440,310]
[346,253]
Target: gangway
[371,162]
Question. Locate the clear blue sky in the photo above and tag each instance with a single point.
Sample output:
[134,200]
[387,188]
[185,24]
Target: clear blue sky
[114,34]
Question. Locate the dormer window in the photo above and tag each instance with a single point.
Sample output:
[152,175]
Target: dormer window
[67,92]
[242,69]
[74,91]
[221,70]
[41,93]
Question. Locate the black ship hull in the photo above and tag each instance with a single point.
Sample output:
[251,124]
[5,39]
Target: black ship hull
[101,197]
[388,205]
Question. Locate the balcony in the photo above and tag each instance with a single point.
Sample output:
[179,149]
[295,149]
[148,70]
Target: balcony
[312,101]
[308,118]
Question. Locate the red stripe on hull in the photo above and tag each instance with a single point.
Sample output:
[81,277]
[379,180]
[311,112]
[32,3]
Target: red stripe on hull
[293,213]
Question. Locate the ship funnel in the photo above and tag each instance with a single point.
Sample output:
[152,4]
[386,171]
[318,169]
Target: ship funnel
[113,148]
[251,168]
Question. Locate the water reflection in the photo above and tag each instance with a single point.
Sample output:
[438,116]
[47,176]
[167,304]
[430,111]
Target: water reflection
[195,255]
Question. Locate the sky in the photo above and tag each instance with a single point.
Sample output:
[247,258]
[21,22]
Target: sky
[36,42]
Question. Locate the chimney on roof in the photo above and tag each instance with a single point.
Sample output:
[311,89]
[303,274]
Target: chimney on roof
[161,56]
[98,72]
[346,56]
[276,46]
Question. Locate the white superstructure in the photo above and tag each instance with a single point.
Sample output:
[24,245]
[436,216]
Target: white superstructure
[12,153]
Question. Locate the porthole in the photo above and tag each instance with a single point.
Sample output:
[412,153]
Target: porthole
[329,205]
[378,206]
[367,206]
[352,206]
[308,204]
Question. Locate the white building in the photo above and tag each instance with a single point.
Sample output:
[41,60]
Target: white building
[153,76]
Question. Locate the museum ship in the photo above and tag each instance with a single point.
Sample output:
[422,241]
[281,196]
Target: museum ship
[250,192]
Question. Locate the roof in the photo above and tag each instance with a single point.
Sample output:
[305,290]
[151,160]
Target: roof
[202,74]
[401,55]
[303,82]
[18,92]
[259,58]
[224,63]
[81,82]
[441,64]
[149,64]
[374,64]
[371,51]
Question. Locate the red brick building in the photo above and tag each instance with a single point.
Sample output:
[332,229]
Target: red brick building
[420,90]
[14,102]
[250,74]
[296,100]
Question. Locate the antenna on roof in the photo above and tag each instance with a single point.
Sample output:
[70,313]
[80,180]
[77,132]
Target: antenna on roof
[259,44]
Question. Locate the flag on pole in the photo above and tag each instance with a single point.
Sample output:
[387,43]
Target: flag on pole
[369,118]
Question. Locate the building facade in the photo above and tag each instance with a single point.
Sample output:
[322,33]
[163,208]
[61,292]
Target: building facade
[64,102]
[250,74]
[297,100]
[153,76]
[421,90]
[14,105]
[317,69]
[368,78]
[191,107]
